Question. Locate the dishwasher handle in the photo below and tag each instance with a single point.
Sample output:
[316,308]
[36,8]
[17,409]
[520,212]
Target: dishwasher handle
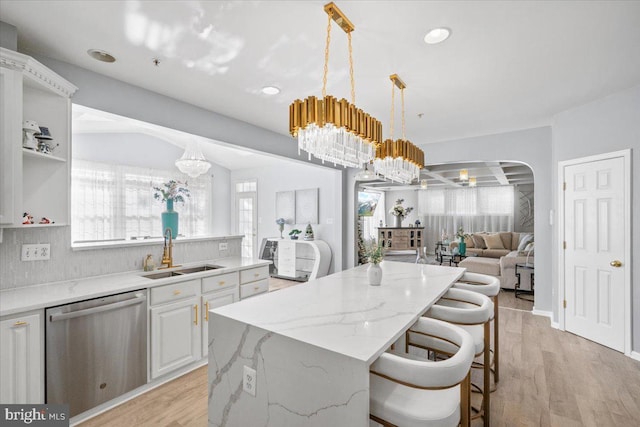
[99,309]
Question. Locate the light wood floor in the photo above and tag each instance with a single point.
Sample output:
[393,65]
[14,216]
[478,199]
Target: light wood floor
[548,378]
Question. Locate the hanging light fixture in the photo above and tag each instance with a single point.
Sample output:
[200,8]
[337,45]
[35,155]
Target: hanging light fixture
[193,162]
[367,173]
[472,181]
[332,130]
[398,160]
[423,184]
[464,175]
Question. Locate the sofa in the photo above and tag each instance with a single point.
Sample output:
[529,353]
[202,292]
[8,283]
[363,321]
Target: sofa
[497,255]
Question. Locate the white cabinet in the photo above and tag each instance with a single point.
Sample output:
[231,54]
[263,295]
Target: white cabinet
[22,359]
[303,259]
[212,300]
[175,327]
[31,181]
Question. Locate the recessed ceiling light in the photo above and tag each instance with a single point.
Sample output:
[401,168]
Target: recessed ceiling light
[437,35]
[270,90]
[101,55]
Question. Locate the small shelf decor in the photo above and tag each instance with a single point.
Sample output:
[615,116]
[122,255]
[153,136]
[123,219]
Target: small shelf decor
[399,212]
[280,222]
[294,234]
[169,192]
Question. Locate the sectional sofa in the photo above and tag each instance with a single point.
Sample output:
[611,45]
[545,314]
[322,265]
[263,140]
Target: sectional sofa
[497,255]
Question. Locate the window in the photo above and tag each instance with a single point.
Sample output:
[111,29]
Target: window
[115,202]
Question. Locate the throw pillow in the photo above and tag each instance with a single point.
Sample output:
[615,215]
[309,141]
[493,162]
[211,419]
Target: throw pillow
[528,250]
[525,239]
[469,242]
[493,241]
[478,241]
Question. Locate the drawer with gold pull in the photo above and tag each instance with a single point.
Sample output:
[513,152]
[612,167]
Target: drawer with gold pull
[175,292]
[222,281]
[254,288]
[254,274]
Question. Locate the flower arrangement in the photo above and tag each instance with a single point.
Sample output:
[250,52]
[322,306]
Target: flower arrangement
[280,222]
[461,234]
[374,251]
[399,210]
[172,190]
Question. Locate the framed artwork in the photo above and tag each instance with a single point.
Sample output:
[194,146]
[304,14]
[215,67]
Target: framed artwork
[285,206]
[307,206]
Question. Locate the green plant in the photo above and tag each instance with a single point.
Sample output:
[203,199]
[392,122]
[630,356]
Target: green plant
[374,251]
[295,232]
[461,234]
[172,190]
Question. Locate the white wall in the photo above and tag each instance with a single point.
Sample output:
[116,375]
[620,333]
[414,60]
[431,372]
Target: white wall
[606,125]
[299,176]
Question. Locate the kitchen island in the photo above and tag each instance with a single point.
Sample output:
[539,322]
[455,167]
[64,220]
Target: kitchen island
[311,345]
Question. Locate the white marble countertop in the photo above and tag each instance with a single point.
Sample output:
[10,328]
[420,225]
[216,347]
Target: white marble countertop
[18,300]
[342,313]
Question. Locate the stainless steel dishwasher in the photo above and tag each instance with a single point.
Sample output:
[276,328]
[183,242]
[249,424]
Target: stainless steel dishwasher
[96,350]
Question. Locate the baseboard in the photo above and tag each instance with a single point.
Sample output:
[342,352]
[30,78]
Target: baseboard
[635,355]
[549,314]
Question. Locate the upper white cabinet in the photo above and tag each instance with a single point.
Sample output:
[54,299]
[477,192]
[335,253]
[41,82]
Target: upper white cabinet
[22,359]
[31,181]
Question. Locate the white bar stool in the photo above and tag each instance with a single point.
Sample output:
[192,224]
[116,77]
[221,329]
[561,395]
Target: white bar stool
[472,312]
[409,391]
[489,286]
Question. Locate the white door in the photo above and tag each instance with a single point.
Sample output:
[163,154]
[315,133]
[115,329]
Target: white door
[175,336]
[247,212]
[594,265]
[213,300]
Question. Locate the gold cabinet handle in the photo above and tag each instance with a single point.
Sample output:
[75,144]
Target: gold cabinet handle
[206,307]
[176,292]
[221,282]
[615,263]
[196,319]
[20,323]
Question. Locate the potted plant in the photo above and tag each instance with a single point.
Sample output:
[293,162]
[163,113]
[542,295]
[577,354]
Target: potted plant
[375,253]
[169,192]
[294,233]
[462,245]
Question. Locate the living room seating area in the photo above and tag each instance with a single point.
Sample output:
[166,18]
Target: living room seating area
[497,254]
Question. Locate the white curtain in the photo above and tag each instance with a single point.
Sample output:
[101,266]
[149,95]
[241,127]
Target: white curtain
[114,202]
[474,209]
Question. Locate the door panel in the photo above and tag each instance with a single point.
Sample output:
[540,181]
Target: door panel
[595,236]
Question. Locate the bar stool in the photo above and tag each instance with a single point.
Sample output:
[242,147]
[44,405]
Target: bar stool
[408,391]
[489,286]
[472,312]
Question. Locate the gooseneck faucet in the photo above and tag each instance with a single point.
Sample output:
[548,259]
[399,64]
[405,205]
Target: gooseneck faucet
[167,253]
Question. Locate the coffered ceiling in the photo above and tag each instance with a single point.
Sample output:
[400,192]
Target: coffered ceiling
[508,64]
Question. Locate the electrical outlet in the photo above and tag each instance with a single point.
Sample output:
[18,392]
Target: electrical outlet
[36,252]
[249,381]
[222,246]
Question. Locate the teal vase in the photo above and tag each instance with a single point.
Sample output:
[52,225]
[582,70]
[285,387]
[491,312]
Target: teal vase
[170,219]
[462,247]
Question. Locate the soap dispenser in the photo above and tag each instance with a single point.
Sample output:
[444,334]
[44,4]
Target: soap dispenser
[149,264]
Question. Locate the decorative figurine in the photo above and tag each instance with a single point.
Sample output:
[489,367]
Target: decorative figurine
[27,218]
[46,220]
[30,128]
[308,232]
[417,223]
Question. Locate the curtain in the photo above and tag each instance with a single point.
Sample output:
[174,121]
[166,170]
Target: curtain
[474,209]
[115,202]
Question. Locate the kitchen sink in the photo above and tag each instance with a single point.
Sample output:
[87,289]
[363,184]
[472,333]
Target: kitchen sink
[199,269]
[182,271]
[163,275]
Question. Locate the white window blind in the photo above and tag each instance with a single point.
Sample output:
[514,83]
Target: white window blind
[113,202]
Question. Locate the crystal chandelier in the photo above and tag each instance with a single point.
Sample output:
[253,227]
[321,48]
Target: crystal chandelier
[335,130]
[193,162]
[398,160]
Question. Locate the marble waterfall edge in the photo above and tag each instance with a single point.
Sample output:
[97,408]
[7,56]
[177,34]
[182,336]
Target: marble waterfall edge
[335,392]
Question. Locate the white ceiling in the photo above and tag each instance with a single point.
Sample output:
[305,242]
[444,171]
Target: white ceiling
[508,65]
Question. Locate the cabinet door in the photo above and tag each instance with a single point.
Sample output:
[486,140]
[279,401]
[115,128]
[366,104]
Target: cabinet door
[213,300]
[175,336]
[21,356]
[10,146]
[286,259]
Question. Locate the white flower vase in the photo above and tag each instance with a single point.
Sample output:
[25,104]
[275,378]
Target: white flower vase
[374,274]
[397,221]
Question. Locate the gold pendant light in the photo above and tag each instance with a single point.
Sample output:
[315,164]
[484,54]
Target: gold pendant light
[398,160]
[330,129]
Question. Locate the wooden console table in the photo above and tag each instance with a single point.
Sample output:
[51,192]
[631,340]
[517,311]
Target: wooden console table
[401,238]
